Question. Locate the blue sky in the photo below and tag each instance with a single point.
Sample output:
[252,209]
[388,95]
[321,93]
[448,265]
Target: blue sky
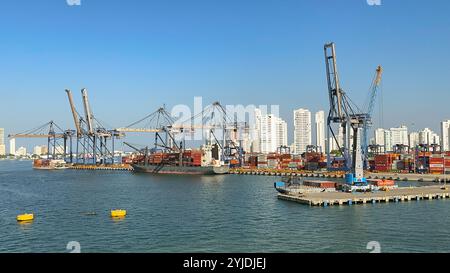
[134,56]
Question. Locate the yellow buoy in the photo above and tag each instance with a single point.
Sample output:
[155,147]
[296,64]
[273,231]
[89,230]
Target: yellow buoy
[118,213]
[25,217]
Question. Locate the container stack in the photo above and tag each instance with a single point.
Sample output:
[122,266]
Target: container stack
[436,164]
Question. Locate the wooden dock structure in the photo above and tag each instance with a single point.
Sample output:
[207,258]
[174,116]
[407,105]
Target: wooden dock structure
[402,194]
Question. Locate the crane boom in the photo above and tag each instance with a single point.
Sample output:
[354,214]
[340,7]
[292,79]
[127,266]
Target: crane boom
[372,98]
[87,111]
[74,113]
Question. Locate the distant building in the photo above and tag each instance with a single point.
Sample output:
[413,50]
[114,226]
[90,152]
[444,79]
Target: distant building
[302,130]
[40,150]
[256,132]
[413,140]
[332,144]
[273,133]
[282,133]
[12,146]
[22,151]
[428,137]
[388,144]
[2,142]
[2,136]
[445,135]
[399,135]
[383,138]
[320,130]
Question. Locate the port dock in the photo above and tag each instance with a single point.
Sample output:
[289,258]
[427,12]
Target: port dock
[109,167]
[345,198]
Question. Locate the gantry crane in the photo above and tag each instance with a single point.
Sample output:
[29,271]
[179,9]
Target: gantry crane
[48,131]
[345,115]
[92,138]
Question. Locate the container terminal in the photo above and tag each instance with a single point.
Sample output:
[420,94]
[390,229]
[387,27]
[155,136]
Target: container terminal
[90,146]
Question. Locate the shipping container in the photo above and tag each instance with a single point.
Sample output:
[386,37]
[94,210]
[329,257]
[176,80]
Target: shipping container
[320,184]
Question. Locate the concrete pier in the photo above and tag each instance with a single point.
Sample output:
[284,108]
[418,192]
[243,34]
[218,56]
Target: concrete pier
[410,177]
[344,198]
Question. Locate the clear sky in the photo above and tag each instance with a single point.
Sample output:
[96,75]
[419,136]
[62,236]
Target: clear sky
[134,56]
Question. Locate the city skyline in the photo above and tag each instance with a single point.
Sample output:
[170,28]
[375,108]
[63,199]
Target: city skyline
[276,132]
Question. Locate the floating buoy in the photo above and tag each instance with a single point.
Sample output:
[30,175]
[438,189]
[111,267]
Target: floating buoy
[25,217]
[118,213]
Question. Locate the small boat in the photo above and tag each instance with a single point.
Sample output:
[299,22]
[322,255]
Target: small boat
[25,217]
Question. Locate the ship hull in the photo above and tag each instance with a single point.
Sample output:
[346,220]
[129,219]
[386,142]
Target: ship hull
[170,169]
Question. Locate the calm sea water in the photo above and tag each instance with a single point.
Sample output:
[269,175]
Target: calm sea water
[198,214]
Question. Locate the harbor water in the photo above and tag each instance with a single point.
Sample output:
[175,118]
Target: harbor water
[229,213]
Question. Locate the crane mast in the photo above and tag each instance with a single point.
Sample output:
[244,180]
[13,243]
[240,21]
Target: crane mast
[74,113]
[87,111]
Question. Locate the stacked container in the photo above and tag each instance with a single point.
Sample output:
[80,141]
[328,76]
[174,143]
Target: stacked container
[436,164]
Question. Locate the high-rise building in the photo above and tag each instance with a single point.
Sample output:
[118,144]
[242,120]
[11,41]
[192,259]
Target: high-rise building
[282,133]
[427,136]
[399,135]
[2,136]
[12,146]
[268,140]
[256,132]
[320,130]
[302,130]
[388,146]
[273,133]
[414,140]
[445,135]
[379,136]
[2,142]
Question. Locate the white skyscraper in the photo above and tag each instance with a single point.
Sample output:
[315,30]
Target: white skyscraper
[282,133]
[256,132]
[12,146]
[302,130]
[2,142]
[414,139]
[427,136]
[388,146]
[268,137]
[399,135]
[273,133]
[445,135]
[320,130]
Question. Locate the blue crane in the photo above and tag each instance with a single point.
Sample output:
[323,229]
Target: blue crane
[374,90]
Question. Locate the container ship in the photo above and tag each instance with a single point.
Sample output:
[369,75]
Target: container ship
[204,161]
